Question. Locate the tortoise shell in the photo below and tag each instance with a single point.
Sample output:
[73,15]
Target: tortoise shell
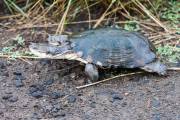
[110,47]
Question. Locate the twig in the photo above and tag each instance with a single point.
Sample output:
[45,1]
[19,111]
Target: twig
[142,7]
[89,14]
[9,16]
[28,57]
[95,83]
[165,40]
[123,75]
[25,61]
[174,68]
[103,15]
[56,24]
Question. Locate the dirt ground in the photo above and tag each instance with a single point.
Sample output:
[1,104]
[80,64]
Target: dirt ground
[46,90]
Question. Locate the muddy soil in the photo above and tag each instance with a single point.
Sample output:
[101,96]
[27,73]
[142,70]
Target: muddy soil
[46,89]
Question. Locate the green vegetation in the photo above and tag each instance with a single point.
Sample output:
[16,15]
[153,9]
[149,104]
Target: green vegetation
[172,15]
[170,53]
[132,26]
[12,50]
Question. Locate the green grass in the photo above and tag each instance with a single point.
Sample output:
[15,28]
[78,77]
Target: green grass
[172,14]
[13,49]
[170,53]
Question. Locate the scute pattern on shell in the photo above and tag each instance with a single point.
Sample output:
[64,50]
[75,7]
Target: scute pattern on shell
[114,47]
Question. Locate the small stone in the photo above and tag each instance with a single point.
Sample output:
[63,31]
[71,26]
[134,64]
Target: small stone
[71,98]
[37,94]
[126,94]
[6,97]
[17,73]
[116,96]
[59,114]
[32,89]
[36,90]
[49,82]
[19,83]
[13,99]
[55,95]
[36,87]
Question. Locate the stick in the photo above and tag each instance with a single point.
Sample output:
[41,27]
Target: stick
[95,83]
[174,68]
[123,75]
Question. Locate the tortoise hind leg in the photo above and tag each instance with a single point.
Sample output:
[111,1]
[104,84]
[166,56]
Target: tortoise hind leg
[155,66]
[92,72]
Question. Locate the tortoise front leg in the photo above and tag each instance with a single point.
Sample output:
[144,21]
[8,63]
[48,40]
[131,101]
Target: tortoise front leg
[92,72]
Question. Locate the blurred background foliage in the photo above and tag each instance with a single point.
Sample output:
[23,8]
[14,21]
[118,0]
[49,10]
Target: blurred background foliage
[159,18]
[96,11]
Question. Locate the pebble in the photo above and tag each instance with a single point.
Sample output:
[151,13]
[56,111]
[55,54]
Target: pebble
[116,96]
[36,90]
[71,98]
[61,114]
[56,95]
[10,98]
[6,97]
[37,94]
[36,87]
[17,73]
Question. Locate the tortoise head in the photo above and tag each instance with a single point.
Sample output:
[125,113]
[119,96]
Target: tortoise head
[45,50]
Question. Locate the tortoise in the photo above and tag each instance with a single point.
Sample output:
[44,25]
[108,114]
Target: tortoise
[103,47]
